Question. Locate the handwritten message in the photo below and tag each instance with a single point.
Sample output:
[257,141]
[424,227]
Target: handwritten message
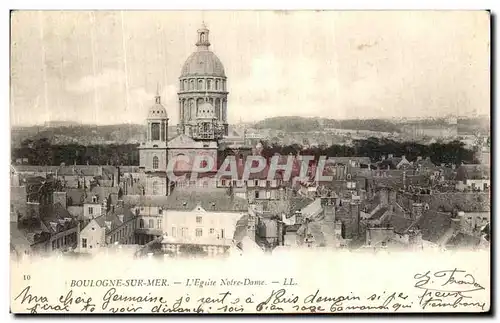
[445,289]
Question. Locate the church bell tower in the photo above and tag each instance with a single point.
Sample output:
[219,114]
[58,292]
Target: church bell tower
[153,152]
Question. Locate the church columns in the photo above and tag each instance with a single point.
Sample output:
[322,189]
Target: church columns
[220,109]
[149,131]
[166,131]
[180,111]
[224,111]
[217,109]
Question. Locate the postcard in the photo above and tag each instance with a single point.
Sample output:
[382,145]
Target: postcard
[259,162]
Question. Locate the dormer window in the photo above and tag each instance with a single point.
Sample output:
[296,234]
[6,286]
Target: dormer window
[94,199]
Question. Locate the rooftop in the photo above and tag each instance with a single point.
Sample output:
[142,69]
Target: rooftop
[213,200]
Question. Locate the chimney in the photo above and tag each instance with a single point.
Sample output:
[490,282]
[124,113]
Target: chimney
[416,211]
[355,218]
[281,233]
[461,220]
[419,158]
[391,156]
[328,205]
[33,209]
[60,197]
[382,157]
[455,224]
[384,196]
[108,224]
[392,197]
[103,206]
[415,238]
[120,216]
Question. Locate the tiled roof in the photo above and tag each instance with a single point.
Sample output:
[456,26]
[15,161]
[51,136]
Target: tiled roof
[292,228]
[346,160]
[313,208]
[56,218]
[425,163]
[462,240]
[17,192]
[433,225]
[476,171]
[298,203]
[378,214]
[211,200]
[314,229]
[112,221]
[108,172]
[103,192]
[83,170]
[34,168]
[399,223]
[129,169]
[77,196]
[18,237]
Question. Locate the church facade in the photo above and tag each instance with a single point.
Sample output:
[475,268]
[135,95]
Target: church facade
[202,127]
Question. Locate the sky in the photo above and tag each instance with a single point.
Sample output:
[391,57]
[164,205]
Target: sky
[103,67]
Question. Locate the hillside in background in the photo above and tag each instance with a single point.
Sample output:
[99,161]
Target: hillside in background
[82,134]
[64,133]
[300,124]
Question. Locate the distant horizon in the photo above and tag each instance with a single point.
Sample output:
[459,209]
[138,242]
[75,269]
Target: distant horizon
[74,122]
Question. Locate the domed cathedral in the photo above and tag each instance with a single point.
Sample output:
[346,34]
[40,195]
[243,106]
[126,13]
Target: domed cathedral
[203,93]
[202,129]
[153,153]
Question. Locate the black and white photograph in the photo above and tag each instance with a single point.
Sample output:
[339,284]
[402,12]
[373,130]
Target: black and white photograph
[225,154]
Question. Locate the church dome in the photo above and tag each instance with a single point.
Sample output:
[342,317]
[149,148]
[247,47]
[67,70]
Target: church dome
[203,62]
[157,111]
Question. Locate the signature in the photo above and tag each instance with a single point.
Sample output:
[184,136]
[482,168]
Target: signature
[448,288]
[455,280]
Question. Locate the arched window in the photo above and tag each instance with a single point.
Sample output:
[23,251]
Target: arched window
[199,102]
[209,84]
[141,223]
[217,108]
[155,131]
[155,188]
[200,84]
[217,84]
[155,162]
[191,84]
